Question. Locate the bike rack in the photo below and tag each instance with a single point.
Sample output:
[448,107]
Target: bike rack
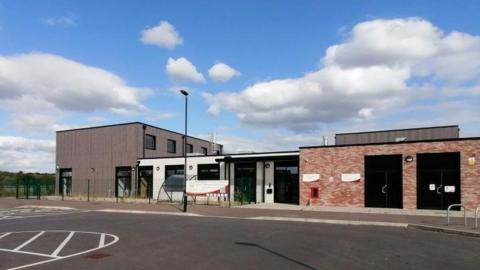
[476,216]
[464,212]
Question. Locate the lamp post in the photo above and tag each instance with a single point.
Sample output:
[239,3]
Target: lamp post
[185,93]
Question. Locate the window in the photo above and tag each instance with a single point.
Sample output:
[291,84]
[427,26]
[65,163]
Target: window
[174,178]
[204,151]
[65,185]
[208,172]
[171,146]
[189,148]
[123,181]
[150,142]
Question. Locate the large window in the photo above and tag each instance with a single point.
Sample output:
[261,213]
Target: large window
[174,178]
[204,151]
[208,172]
[189,148]
[123,181]
[171,146]
[65,186]
[150,142]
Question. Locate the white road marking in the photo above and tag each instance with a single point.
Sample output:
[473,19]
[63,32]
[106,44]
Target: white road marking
[29,241]
[3,235]
[102,240]
[54,256]
[60,247]
[28,252]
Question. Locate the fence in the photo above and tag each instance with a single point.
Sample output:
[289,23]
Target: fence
[27,188]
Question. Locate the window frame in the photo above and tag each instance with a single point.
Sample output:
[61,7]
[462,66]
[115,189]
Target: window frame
[174,146]
[154,142]
[204,151]
[189,145]
[212,176]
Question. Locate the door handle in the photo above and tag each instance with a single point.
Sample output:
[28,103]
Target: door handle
[439,190]
[384,189]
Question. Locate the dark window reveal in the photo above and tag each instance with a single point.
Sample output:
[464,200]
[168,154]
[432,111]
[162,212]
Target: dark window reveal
[171,146]
[174,178]
[150,142]
[204,151]
[208,172]
[189,148]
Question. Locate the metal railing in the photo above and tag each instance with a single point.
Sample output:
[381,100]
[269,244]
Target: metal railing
[456,205]
[476,216]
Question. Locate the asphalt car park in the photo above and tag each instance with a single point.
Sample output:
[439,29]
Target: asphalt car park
[99,240]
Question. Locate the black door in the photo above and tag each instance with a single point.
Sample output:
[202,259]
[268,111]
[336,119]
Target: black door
[438,180]
[245,182]
[286,182]
[383,181]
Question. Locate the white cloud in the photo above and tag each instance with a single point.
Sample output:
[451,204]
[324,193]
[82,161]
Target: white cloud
[183,70]
[162,35]
[65,21]
[37,89]
[382,66]
[221,72]
[30,155]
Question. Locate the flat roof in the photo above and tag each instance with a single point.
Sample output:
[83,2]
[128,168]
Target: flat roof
[131,123]
[393,130]
[243,155]
[386,143]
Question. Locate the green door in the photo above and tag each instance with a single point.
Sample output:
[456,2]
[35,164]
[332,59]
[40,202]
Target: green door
[245,182]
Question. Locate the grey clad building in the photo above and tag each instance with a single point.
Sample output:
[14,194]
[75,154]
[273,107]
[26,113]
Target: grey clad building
[106,157]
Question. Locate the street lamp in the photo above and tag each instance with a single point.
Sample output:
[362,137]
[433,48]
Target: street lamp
[185,93]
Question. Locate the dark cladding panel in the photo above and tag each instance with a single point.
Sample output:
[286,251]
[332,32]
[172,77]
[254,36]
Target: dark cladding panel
[383,136]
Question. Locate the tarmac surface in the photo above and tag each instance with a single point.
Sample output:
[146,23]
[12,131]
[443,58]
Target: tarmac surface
[103,240]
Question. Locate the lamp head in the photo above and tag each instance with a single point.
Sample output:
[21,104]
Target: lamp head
[184,92]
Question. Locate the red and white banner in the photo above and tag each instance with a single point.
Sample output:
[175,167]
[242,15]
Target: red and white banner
[207,188]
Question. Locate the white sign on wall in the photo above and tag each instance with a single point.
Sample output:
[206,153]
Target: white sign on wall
[350,177]
[310,177]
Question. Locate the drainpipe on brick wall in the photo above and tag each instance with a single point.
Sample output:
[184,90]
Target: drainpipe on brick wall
[143,140]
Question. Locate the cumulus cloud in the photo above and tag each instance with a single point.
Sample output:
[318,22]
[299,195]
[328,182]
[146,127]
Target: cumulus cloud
[30,155]
[221,72]
[37,88]
[383,65]
[181,69]
[163,35]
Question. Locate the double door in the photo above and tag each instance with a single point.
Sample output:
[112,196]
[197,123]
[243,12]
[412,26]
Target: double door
[383,181]
[245,182]
[438,180]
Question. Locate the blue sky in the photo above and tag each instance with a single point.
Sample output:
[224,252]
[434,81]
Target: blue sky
[301,69]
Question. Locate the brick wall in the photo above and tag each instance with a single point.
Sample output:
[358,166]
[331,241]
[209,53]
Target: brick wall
[332,162]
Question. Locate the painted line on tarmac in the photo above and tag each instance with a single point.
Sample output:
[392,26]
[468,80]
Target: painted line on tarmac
[266,218]
[47,257]
[324,221]
[46,207]
[147,212]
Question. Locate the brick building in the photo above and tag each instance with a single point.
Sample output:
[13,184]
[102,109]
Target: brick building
[429,174]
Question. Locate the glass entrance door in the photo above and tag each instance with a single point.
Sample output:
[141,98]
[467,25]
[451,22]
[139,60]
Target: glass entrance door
[123,182]
[245,182]
[145,182]
[65,184]
[286,182]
